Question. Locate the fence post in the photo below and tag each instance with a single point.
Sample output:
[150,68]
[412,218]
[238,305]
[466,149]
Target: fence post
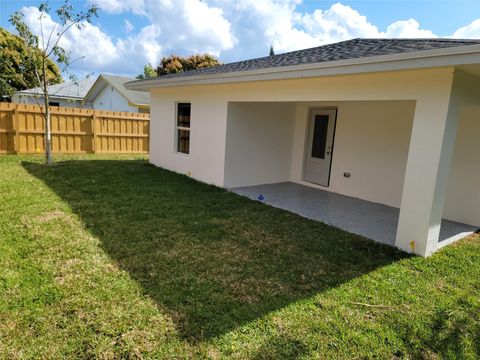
[16,126]
[94,132]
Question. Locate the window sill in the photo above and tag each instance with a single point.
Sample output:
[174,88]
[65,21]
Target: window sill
[181,154]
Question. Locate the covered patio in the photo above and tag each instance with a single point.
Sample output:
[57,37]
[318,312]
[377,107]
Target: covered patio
[372,220]
[400,172]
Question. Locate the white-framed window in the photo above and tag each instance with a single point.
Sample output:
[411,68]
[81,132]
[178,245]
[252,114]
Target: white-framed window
[183,127]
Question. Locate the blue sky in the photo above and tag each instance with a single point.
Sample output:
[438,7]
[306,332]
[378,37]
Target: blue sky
[130,33]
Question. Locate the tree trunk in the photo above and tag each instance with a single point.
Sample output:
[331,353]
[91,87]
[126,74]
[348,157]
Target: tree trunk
[48,137]
[48,133]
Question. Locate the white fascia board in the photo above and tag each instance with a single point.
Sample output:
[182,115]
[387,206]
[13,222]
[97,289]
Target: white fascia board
[404,61]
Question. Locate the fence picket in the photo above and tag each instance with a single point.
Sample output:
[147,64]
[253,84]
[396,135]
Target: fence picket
[73,130]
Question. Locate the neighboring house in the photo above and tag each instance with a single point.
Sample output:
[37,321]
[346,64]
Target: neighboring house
[67,94]
[389,124]
[103,93]
[108,93]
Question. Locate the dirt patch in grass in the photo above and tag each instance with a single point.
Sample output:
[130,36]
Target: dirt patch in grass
[51,215]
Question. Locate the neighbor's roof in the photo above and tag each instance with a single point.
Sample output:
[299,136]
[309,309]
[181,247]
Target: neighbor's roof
[136,98]
[345,52]
[66,90]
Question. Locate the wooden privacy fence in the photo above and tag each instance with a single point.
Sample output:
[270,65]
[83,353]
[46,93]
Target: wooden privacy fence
[22,130]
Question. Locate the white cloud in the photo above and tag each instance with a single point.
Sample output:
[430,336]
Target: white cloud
[408,29]
[231,29]
[181,24]
[469,31]
[257,24]
[128,26]
[340,22]
[286,29]
[136,7]
[279,20]
[191,24]
[260,23]
[144,45]
[101,52]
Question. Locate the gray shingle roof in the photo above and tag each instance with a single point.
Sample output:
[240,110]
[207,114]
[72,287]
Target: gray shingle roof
[350,49]
[69,90]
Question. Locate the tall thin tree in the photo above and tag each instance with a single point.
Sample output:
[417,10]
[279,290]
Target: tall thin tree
[50,48]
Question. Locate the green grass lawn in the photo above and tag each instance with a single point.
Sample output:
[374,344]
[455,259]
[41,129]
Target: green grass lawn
[110,257]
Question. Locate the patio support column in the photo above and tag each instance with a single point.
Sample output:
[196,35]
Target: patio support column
[429,161]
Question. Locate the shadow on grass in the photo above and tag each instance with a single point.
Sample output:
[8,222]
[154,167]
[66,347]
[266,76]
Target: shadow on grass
[212,259]
[280,347]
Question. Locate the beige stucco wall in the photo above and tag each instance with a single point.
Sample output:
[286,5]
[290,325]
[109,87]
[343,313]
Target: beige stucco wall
[371,143]
[372,140]
[207,140]
[463,194]
[259,143]
[429,165]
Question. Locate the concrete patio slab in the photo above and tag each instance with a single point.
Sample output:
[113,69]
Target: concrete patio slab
[371,220]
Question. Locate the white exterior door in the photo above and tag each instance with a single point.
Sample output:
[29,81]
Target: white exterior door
[321,132]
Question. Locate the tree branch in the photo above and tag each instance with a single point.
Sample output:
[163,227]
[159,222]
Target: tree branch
[40,18]
[59,37]
[70,63]
[50,36]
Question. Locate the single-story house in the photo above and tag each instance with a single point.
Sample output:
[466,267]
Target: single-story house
[67,94]
[379,137]
[109,93]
